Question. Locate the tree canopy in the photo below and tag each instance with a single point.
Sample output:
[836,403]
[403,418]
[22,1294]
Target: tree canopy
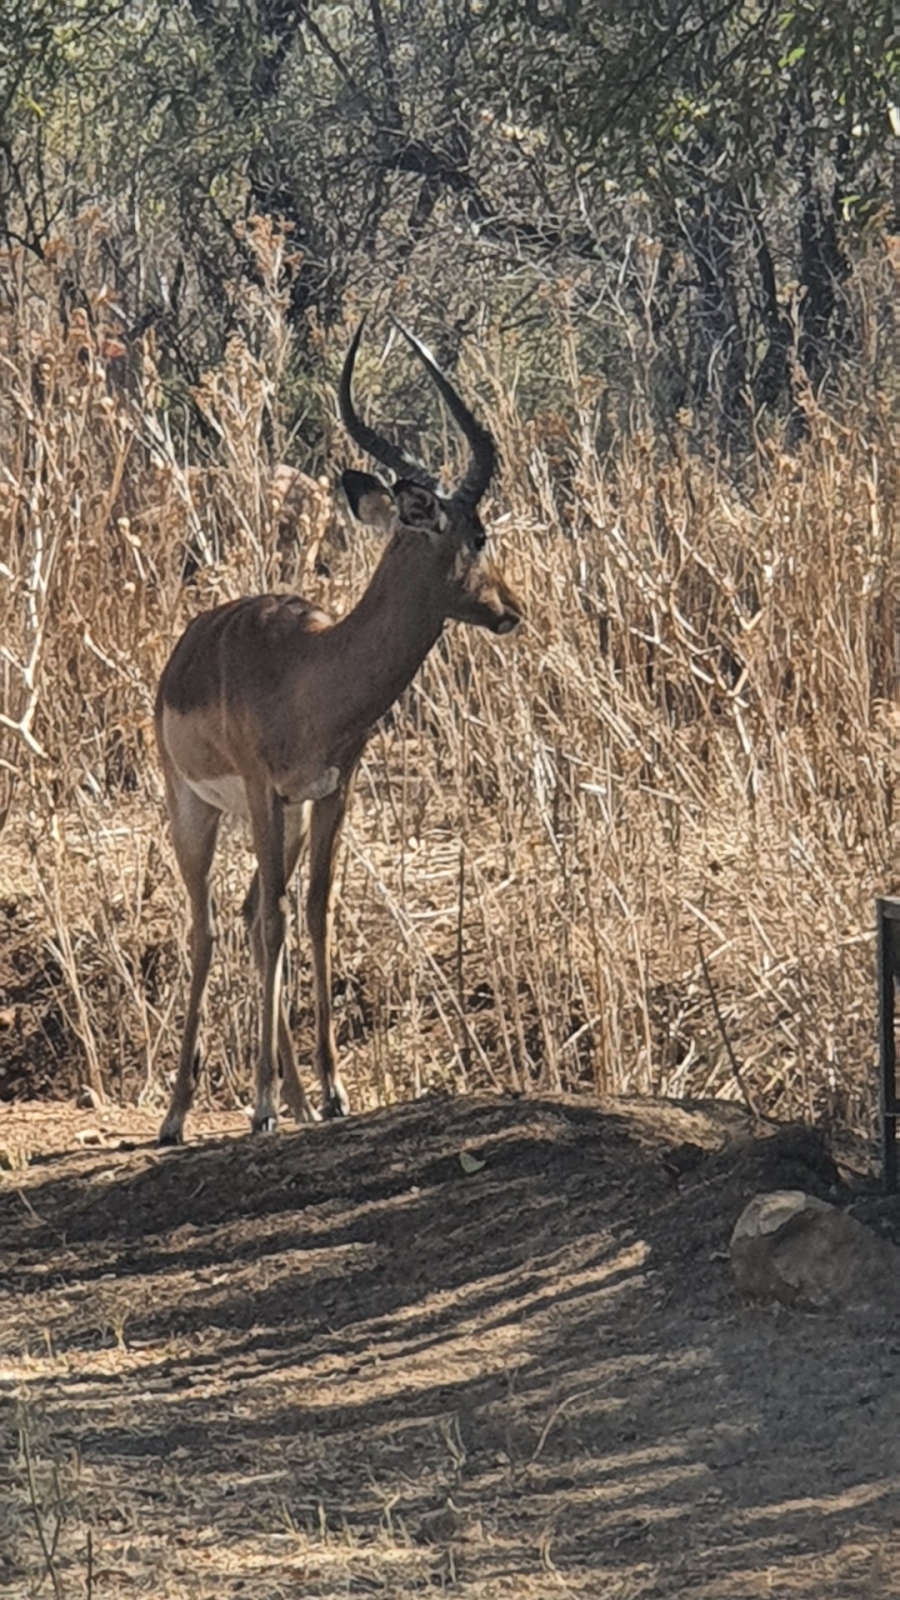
[699,169]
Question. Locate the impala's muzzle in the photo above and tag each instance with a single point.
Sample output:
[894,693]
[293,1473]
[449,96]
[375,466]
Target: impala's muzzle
[508,621]
[494,605]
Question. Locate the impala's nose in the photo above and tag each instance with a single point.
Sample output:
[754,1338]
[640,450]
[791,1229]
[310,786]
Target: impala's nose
[509,609]
[508,621]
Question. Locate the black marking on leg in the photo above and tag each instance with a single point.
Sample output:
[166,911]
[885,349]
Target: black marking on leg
[336,1105]
[265,1124]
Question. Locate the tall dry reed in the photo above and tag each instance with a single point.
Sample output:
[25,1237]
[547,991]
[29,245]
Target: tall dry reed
[633,849]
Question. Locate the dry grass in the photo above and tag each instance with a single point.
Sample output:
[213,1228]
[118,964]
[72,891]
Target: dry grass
[634,849]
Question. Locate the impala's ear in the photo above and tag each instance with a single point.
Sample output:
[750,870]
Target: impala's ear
[370,500]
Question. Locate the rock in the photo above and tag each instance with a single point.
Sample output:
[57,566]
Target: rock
[791,1247]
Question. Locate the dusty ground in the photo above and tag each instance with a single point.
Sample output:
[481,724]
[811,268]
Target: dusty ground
[348,1362]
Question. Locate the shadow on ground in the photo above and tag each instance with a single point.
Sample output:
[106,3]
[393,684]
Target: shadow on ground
[486,1346]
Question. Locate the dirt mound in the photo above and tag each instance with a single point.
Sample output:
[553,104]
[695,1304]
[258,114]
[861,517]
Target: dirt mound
[488,1346]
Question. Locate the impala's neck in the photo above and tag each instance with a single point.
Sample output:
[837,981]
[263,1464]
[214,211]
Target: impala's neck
[383,641]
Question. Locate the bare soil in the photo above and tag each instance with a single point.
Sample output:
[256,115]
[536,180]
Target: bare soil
[488,1347]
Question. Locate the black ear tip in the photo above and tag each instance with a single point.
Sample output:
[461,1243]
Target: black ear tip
[368,496]
[352,482]
[356,484]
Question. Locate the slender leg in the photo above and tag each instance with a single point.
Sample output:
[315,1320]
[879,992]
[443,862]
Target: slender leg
[194,826]
[267,818]
[327,816]
[296,827]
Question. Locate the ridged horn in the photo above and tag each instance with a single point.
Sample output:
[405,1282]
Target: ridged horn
[374,443]
[484,451]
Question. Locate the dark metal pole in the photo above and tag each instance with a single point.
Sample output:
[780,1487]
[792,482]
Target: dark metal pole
[888,925]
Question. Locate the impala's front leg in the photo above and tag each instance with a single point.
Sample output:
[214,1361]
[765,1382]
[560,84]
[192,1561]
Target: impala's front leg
[194,829]
[267,816]
[328,814]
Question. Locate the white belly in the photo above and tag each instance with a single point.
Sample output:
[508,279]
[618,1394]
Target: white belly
[227,794]
[230,793]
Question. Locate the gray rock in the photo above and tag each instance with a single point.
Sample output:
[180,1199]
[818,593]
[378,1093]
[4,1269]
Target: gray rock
[789,1246]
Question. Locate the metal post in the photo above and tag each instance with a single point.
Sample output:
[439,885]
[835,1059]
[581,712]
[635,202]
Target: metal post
[888,934]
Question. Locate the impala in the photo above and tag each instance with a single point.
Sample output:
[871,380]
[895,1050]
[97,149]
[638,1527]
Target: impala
[264,710]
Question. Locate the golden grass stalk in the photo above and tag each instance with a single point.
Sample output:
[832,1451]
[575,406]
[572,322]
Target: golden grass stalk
[636,851]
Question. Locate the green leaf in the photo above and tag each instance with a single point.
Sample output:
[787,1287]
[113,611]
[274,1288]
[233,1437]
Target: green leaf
[470,1163]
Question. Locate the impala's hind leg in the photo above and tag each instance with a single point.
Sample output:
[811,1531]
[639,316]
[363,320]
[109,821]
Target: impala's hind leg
[327,817]
[296,826]
[194,826]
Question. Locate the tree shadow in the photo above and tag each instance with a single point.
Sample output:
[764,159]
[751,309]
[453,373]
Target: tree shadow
[543,1339]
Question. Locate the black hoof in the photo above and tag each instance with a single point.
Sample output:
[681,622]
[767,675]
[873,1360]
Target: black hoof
[169,1141]
[337,1105]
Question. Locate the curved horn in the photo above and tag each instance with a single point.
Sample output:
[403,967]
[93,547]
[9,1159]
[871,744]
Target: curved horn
[484,451]
[379,448]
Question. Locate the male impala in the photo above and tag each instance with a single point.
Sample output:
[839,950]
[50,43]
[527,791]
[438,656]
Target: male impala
[264,710]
